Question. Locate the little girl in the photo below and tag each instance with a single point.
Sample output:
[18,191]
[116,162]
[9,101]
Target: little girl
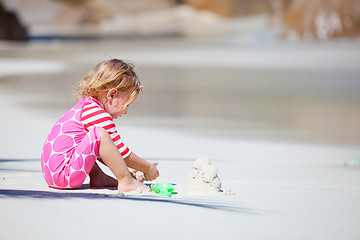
[87,132]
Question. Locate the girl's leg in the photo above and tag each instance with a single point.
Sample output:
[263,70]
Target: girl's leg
[99,179]
[112,158]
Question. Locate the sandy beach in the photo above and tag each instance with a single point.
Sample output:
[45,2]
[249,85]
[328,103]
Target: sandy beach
[280,149]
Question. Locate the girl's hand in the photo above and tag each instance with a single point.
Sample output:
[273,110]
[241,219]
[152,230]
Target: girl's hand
[137,175]
[152,172]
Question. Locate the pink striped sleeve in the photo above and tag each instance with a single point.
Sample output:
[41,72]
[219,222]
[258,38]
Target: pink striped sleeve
[93,115]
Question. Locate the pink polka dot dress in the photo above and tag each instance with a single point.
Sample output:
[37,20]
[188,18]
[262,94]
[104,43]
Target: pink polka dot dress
[72,145]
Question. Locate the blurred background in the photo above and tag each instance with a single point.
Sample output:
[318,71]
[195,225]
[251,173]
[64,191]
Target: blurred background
[259,70]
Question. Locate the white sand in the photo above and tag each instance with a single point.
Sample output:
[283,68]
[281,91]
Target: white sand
[283,191]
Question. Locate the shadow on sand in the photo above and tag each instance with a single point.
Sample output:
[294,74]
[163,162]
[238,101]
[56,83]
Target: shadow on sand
[192,202]
[23,194]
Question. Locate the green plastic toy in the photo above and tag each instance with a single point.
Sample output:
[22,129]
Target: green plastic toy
[163,189]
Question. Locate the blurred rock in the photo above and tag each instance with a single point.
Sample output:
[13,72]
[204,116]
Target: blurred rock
[10,26]
[231,8]
[301,19]
[322,19]
[78,17]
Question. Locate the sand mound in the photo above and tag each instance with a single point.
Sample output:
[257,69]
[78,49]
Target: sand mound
[204,178]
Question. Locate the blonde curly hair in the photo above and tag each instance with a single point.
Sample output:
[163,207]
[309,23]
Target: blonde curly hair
[110,74]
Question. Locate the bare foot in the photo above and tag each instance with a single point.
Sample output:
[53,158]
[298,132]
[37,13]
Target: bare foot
[131,185]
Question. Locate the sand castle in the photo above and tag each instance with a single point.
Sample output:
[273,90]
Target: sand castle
[204,178]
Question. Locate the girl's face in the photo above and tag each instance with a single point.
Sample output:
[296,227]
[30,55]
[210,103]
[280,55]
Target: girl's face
[115,104]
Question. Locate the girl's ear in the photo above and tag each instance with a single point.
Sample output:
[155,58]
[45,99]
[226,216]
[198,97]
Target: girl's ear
[111,93]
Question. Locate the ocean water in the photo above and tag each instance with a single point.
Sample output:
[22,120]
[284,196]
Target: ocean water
[303,92]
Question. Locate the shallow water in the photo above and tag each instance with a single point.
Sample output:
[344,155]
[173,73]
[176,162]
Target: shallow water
[295,103]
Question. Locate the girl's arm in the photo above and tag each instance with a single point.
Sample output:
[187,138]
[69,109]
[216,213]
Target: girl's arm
[94,115]
[148,168]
